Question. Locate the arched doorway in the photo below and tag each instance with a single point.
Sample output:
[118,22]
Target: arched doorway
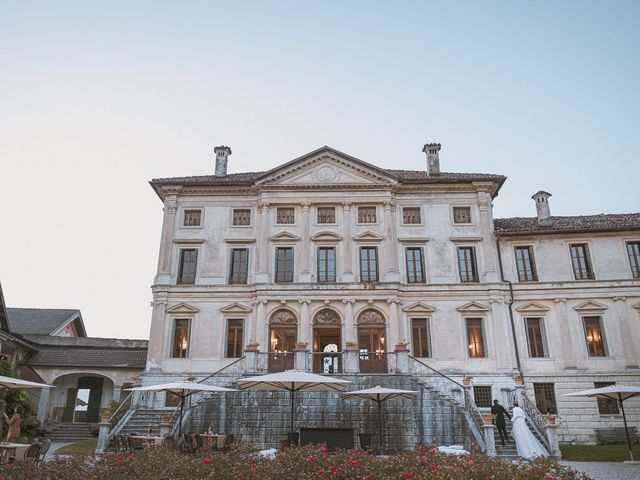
[372,342]
[78,398]
[283,332]
[327,342]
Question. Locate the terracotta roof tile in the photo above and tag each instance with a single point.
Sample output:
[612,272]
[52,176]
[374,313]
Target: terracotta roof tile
[581,223]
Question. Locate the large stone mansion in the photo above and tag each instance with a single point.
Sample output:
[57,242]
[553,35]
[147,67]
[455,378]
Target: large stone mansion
[327,255]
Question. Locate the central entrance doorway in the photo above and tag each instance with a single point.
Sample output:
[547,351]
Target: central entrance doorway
[83,402]
[327,342]
[283,332]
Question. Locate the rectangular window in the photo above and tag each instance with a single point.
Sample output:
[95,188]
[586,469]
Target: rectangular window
[234,337]
[415,265]
[366,214]
[284,264]
[368,264]
[172,400]
[581,262]
[188,263]
[180,338]
[545,398]
[606,406]
[594,335]
[467,265]
[475,338]
[241,217]
[239,266]
[420,338]
[411,215]
[461,214]
[192,218]
[285,215]
[326,215]
[633,250]
[525,264]
[482,396]
[535,337]
[326,264]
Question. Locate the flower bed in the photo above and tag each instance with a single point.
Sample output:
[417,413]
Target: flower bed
[291,464]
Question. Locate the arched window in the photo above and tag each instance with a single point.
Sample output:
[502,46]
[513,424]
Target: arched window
[282,340]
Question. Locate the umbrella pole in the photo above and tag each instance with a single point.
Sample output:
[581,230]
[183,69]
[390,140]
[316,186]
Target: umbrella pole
[380,427]
[292,395]
[181,411]
[626,430]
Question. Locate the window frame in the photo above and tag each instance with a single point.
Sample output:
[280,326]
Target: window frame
[230,276]
[427,325]
[603,336]
[420,215]
[335,217]
[484,388]
[227,334]
[540,392]
[606,403]
[468,340]
[635,270]
[375,210]
[295,216]
[475,273]
[293,263]
[184,217]
[377,264]
[453,215]
[532,260]
[587,256]
[335,263]
[180,272]
[543,337]
[423,277]
[172,346]
[233,212]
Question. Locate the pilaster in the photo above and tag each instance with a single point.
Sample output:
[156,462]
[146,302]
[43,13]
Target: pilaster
[157,340]
[262,326]
[349,324]
[163,276]
[486,227]
[396,330]
[347,261]
[568,350]
[305,244]
[391,241]
[304,333]
[262,239]
[500,334]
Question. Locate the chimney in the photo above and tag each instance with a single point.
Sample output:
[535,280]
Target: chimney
[222,156]
[433,158]
[542,206]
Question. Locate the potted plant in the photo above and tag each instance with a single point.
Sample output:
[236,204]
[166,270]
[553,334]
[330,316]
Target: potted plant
[252,346]
[105,415]
[519,379]
[166,419]
[402,345]
[550,418]
[301,345]
[191,378]
[466,380]
[137,379]
[350,345]
[488,419]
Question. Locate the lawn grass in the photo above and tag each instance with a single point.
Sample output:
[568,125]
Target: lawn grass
[83,447]
[598,453]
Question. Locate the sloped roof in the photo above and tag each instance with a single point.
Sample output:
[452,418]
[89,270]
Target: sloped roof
[87,352]
[42,321]
[4,325]
[574,224]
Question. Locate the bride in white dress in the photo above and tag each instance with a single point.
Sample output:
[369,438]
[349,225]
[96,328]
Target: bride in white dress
[527,444]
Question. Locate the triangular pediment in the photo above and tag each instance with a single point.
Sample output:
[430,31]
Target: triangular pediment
[235,307]
[419,307]
[284,237]
[532,307]
[473,307]
[182,308]
[590,305]
[368,236]
[326,167]
[326,237]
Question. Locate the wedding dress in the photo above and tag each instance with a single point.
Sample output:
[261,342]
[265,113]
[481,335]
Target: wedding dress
[527,444]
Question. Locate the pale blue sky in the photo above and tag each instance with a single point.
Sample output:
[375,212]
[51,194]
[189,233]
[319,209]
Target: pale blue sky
[98,98]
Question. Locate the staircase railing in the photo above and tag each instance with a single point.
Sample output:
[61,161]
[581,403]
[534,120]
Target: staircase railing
[454,391]
[536,419]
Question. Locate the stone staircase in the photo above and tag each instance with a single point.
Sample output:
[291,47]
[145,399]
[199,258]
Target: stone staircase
[70,432]
[144,419]
[508,451]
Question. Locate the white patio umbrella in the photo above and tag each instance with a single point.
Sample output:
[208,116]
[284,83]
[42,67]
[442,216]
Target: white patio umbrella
[293,381]
[183,390]
[379,394]
[615,392]
[10,382]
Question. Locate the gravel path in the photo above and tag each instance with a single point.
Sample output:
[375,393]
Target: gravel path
[606,470]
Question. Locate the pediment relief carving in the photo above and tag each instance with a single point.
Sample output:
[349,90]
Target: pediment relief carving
[284,237]
[419,307]
[590,305]
[368,236]
[182,308]
[532,307]
[326,237]
[235,307]
[473,307]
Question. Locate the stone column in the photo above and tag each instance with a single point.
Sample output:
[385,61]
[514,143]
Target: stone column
[396,330]
[251,360]
[350,332]
[262,325]
[568,352]
[251,335]
[117,392]
[305,245]
[43,405]
[300,359]
[103,437]
[166,240]
[347,234]
[552,436]
[488,240]
[402,360]
[391,242]
[630,354]
[500,334]
[262,244]
[490,439]
[305,322]
[157,340]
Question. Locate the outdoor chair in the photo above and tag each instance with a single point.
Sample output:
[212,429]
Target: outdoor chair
[22,440]
[169,442]
[228,441]
[44,448]
[33,453]
[199,444]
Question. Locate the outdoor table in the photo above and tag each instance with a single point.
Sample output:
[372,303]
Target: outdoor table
[17,450]
[214,440]
[149,439]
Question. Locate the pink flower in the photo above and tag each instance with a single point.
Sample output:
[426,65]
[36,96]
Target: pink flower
[335,474]
[433,467]
[120,457]
[253,465]
[332,468]
[356,453]
[408,475]
[311,460]
[324,449]
[320,471]
[423,461]
[354,462]
[113,454]
[206,461]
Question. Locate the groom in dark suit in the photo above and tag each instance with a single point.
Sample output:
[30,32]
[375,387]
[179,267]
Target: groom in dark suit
[501,424]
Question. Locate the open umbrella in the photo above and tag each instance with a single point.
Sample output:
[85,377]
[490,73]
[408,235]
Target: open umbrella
[183,390]
[10,382]
[293,381]
[379,395]
[615,392]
